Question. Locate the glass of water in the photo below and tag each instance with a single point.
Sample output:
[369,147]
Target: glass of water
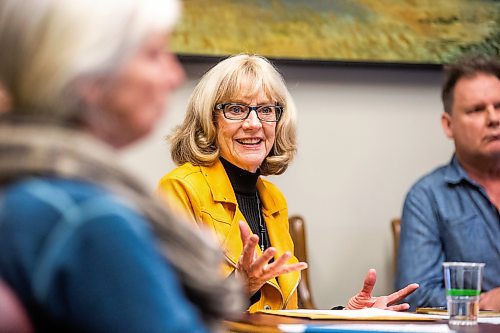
[463,286]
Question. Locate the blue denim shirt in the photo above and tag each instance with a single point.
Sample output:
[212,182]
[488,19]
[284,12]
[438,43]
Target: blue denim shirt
[447,216]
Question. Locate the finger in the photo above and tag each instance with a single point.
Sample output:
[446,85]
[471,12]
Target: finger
[263,260]
[360,302]
[399,307]
[292,268]
[274,269]
[369,283]
[380,302]
[281,267]
[244,231]
[483,302]
[283,259]
[483,297]
[248,255]
[402,293]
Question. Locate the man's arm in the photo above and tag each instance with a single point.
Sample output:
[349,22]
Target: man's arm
[420,253]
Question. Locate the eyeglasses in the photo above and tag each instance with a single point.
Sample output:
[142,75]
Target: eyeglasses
[237,111]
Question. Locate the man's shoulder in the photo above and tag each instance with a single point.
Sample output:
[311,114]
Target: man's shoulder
[440,192]
[432,180]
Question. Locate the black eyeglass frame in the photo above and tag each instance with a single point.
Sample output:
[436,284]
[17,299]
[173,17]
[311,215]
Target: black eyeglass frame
[279,108]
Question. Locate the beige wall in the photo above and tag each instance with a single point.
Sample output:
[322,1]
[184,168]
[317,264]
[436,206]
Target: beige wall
[365,135]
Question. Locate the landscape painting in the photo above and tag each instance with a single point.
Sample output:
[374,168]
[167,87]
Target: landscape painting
[366,31]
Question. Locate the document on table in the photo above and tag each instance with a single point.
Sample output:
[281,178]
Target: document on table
[364,314]
[365,328]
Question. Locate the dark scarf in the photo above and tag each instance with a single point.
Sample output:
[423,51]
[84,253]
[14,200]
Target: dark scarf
[30,149]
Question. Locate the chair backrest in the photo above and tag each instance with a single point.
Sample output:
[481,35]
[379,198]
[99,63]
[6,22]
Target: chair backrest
[396,230]
[13,318]
[298,232]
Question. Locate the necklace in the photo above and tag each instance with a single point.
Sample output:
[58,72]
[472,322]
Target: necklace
[262,225]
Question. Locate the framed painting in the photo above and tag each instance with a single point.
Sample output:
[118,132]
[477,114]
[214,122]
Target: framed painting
[359,31]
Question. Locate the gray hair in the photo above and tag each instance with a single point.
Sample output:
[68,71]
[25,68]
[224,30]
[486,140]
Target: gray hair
[48,45]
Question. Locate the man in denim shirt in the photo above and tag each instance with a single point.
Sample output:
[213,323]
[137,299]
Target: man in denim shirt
[452,214]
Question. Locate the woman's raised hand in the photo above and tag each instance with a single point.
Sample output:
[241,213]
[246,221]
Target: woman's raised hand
[364,298]
[256,270]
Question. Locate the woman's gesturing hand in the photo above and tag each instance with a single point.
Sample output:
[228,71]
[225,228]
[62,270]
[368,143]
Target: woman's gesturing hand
[254,270]
[364,298]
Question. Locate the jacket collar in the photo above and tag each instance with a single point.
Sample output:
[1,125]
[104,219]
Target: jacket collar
[222,191]
[219,183]
[270,204]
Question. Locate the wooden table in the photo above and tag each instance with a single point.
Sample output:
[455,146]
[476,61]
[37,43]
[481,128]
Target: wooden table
[265,323]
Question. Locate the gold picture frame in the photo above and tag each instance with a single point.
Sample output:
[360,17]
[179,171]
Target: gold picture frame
[365,31]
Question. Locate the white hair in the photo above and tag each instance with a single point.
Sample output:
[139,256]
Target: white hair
[46,45]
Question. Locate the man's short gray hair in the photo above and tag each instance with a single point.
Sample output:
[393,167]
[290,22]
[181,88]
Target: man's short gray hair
[467,65]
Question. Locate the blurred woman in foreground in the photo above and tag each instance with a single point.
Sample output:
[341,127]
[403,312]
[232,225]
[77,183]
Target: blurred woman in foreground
[82,243]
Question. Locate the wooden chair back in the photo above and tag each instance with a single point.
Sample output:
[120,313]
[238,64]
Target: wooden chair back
[298,232]
[396,231]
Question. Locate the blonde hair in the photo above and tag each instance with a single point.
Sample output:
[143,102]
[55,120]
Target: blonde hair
[195,140]
[48,45]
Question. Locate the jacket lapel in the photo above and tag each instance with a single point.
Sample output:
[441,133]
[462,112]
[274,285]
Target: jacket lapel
[222,192]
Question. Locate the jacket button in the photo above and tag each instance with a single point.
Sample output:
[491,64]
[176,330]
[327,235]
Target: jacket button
[267,307]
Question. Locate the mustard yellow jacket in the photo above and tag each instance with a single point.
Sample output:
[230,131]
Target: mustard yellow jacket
[204,195]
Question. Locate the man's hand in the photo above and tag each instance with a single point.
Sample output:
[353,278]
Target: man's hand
[490,300]
[255,271]
[364,298]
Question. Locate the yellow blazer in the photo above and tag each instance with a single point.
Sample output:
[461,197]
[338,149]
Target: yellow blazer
[204,195]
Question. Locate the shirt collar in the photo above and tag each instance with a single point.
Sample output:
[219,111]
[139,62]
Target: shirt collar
[243,181]
[222,189]
[455,173]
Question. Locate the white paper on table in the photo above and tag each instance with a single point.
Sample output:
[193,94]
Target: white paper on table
[410,328]
[292,328]
[489,320]
[362,314]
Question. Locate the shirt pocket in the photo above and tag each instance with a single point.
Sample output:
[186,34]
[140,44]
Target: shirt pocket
[463,238]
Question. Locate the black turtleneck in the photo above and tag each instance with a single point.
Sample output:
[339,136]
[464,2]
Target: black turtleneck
[244,184]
